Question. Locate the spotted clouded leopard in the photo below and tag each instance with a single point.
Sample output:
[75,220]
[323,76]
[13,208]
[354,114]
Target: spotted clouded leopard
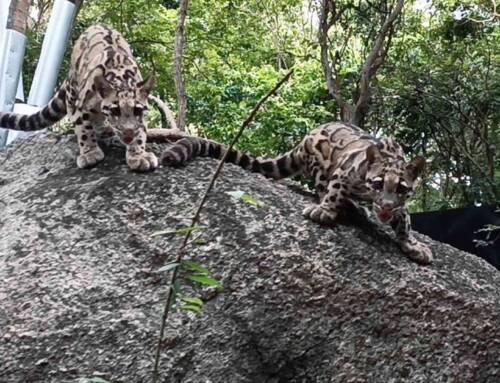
[346,165]
[104,90]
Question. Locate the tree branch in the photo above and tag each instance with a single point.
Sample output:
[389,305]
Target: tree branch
[373,61]
[165,111]
[18,15]
[331,83]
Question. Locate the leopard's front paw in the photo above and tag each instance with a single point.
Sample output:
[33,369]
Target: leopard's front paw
[142,162]
[90,158]
[319,214]
[417,252]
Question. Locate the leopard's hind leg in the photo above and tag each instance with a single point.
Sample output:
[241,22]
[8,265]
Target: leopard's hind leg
[331,200]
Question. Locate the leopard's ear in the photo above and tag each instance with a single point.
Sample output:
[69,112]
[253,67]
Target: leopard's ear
[416,167]
[146,86]
[372,154]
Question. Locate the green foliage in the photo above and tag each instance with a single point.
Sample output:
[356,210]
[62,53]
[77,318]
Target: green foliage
[489,228]
[245,197]
[492,235]
[437,93]
[168,267]
[194,274]
[204,280]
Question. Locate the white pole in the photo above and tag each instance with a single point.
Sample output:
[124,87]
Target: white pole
[11,60]
[54,45]
[12,47]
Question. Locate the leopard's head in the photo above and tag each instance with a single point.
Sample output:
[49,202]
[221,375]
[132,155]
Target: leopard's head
[391,181]
[125,107]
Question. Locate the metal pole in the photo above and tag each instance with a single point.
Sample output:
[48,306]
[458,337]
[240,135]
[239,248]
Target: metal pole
[54,45]
[12,47]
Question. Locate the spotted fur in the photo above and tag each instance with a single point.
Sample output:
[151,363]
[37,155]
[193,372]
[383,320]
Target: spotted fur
[103,94]
[346,165]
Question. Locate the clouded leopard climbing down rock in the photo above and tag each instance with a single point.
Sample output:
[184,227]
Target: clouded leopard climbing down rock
[347,166]
[104,90]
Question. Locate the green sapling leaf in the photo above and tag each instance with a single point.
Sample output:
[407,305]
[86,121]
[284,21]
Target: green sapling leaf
[204,280]
[168,267]
[245,197]
[196,267]
[193,301]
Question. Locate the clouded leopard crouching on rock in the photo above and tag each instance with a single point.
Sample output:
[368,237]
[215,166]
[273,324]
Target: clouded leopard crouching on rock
[103,94]
[346,165]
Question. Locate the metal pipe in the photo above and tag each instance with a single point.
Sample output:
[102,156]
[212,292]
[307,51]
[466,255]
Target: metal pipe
[4,11]
[12,47]
[10,67]
[54,45]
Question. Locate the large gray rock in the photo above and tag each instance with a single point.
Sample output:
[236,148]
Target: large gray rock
[301,303]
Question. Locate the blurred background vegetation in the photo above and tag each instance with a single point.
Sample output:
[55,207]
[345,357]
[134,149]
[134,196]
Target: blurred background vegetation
[437,92]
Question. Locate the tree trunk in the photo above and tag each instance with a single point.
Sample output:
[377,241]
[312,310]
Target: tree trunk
[356,111]
[18,15]
[178,67]
[373,61]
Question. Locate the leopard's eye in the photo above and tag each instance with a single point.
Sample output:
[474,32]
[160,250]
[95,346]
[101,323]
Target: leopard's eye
[115,111]
[139,110]
[402,189]
[378,185]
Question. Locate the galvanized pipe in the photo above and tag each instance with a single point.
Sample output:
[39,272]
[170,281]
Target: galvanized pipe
[12,47]
[54,45]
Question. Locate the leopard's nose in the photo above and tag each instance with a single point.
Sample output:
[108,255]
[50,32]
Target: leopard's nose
[387,205]
[128,132]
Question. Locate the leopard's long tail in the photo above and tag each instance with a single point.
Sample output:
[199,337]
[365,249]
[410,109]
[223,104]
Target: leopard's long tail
[54,111]
[187,148]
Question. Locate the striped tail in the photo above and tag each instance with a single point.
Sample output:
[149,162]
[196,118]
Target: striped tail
[286,165]
[49,115]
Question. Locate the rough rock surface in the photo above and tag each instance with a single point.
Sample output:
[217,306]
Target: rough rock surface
[301,303]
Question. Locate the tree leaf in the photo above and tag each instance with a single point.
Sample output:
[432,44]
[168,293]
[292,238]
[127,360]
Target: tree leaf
[188,229]
[193,308]
[245,197]
[236,194]
[193,301]
[488,228]
[193,266]
[181,230]
[204,280]
[168,267]
[252,200]
[163,232]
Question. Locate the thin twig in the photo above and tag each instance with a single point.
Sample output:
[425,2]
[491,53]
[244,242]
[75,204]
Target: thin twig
[196,217]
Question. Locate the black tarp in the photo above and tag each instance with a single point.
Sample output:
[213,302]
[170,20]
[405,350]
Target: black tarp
[461,228]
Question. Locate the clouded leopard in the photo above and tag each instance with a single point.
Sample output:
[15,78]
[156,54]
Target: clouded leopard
[104,90]
[346,165]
